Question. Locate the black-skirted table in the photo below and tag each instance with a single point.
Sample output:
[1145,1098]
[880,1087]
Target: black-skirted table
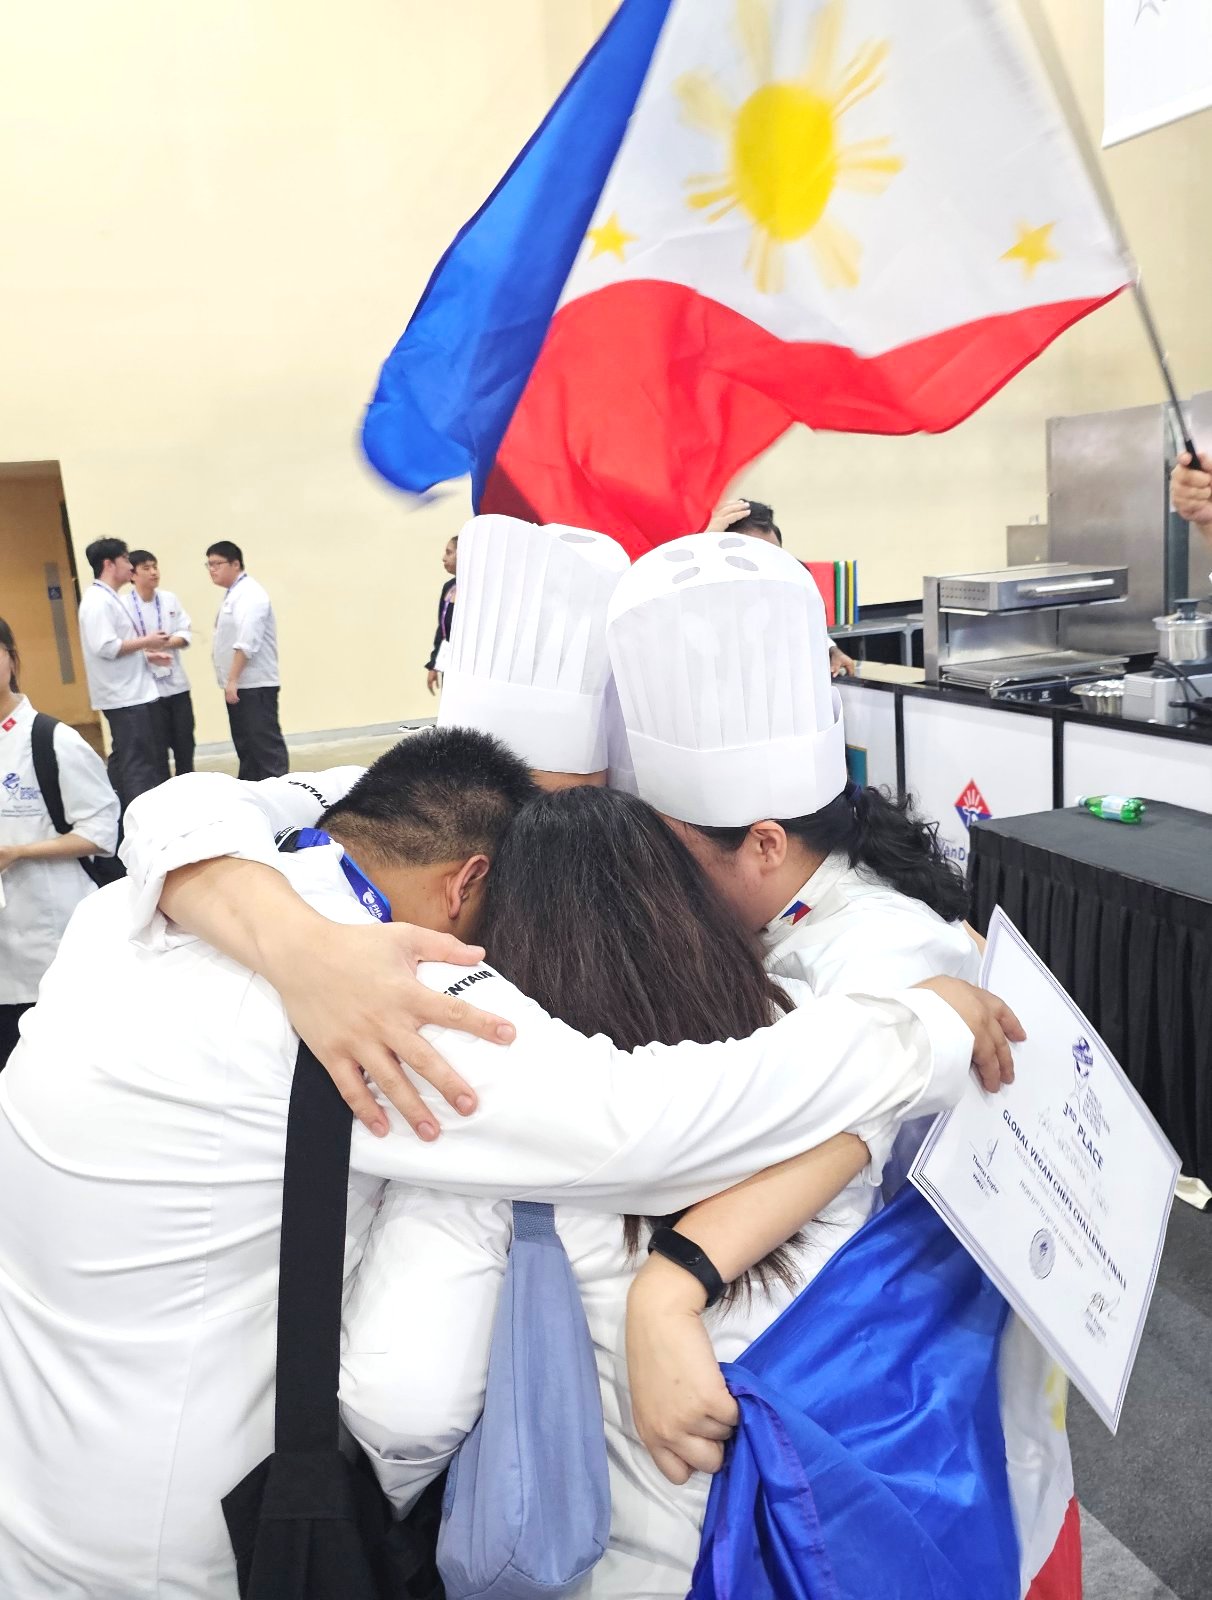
[1122,914]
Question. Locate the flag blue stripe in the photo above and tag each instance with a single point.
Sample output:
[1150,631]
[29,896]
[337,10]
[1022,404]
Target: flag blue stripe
[870,1458]
[449,388]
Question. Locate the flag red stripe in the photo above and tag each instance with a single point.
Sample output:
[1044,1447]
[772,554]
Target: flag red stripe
[648,398]
[1060,1577]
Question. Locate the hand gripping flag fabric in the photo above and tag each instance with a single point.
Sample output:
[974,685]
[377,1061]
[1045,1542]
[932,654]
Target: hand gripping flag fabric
[874,1454]
[740,214]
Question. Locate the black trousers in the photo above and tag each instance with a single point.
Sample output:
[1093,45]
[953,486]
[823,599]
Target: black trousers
[138,758]
[9,1017]
[256,735]
[177,711]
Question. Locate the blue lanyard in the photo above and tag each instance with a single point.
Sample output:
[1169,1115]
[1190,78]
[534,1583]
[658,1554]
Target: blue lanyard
[137,613]
[375,901]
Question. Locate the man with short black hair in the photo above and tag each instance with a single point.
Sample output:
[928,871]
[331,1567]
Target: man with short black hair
[139,1232]
[120,682]
[157,609]
[245,654]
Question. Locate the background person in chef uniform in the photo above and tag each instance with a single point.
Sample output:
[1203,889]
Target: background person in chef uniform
[120,683]
[136,1338]
[157,609]
[245,654]
[41,879]
[721,660]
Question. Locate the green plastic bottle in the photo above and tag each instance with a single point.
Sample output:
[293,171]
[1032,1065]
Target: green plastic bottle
[1113,807]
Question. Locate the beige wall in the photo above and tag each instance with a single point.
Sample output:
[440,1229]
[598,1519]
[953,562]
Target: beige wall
[218,217]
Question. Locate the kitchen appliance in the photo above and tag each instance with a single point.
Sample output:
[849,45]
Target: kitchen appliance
[999,631]
[1109,500]
[1185,635]
[1104,697]
[1175,696]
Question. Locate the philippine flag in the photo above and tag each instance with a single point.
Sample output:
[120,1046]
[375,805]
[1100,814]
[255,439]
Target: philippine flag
[892,1439]
[856,214]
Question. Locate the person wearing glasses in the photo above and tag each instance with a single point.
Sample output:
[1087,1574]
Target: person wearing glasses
[245,651]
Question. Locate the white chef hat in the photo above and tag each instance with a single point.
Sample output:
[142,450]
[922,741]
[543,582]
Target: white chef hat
[528,659]
[720,655]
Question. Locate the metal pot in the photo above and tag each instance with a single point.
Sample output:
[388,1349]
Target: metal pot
[1106,697]
[1185,635]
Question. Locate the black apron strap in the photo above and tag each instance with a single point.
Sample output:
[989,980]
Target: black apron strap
[312,1261]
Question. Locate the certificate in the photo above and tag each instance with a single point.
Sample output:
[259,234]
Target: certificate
[1061,1185]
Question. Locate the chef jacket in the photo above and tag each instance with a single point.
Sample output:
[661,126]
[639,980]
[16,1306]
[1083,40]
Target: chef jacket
[164,613]
[246,622]
[40,896]
[848,930]
[114,680]
[142,1132]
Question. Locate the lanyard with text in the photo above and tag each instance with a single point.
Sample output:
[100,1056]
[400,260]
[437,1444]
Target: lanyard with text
[375,901]
[136,608]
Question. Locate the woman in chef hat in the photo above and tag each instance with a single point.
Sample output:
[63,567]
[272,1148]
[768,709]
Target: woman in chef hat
[720,656]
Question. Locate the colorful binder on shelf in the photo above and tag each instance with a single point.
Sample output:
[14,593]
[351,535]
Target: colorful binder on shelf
[823,575]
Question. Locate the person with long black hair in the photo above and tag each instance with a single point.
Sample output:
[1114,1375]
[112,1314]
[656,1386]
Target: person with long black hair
[583,895]
[721,659]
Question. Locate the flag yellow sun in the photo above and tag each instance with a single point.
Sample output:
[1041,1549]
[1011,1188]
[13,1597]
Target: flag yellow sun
[785,153]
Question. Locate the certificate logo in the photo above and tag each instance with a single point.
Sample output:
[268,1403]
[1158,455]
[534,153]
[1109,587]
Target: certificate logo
[1083,1060]
[1042,1254]
[971,806]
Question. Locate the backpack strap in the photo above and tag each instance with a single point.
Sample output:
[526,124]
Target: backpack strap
[312,1260]
[46,769]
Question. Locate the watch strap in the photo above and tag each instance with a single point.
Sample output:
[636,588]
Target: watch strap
[692,1258]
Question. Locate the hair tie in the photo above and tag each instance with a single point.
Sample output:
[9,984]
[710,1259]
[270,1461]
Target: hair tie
[853,791]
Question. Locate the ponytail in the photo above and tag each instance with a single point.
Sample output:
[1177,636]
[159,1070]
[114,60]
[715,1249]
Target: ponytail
[884,836]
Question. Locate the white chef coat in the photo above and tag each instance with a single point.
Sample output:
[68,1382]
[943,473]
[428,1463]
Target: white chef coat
[246,622]
[40,896]
[114,680]
[848,930]
[164,613]
[140,1194]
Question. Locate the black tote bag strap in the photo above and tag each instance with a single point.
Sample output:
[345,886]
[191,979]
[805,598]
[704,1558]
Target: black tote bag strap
[312,1260]
[46,769]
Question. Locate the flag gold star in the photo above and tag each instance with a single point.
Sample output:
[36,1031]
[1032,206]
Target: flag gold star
[1032,247]
[610,239]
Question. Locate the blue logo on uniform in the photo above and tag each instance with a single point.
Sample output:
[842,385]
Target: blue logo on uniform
[11,782]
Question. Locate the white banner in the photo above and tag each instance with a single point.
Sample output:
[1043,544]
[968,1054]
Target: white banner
[1157,64]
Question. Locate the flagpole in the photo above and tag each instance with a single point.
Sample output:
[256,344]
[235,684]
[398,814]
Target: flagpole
[1045,43]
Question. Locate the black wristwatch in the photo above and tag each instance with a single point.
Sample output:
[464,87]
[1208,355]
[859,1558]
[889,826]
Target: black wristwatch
[683,1252]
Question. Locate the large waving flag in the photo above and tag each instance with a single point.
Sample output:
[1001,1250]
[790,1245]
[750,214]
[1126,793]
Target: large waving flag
[863,215]
[890,1440]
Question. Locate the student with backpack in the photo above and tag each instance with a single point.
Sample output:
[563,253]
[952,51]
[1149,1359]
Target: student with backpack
[58,823]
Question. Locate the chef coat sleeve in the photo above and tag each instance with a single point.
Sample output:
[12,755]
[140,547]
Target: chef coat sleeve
[89,803]
[412,1385]
[98,633]
[252,617]
[575,1120]
[201,815]
[905,949]
[183,627]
